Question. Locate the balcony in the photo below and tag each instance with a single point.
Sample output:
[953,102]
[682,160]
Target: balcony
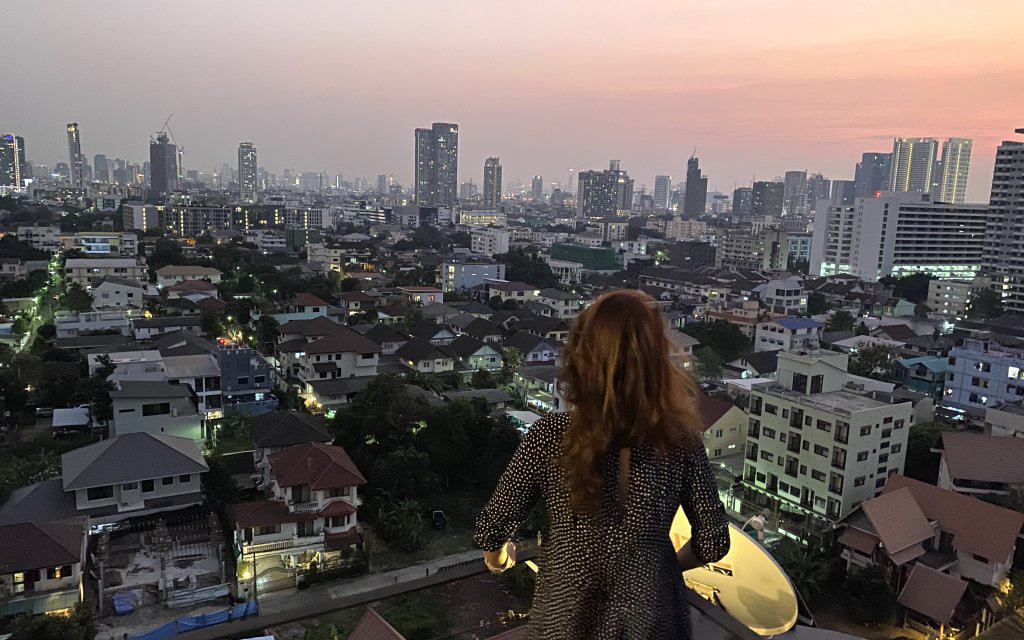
[291,542]
[303,507]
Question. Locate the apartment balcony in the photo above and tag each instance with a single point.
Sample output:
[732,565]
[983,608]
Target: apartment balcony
[303,507]
[295,541]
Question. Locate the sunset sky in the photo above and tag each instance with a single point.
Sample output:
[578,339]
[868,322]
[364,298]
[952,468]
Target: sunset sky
[758,87]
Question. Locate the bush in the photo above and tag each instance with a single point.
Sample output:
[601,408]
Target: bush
[868,597]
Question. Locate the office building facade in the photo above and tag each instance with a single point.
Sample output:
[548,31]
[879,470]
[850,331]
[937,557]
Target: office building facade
[872,174]
[956,161]
[247,172]
[1004,256]
[913,164]
[767,199]
[663,192]
[492,182]
[437,164]
[696,196]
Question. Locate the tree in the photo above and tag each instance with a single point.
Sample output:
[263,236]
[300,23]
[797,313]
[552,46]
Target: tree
[869,598]
[913,287]
[80,625]
[724,337]
[920,463]
[986,304]
[76,299]
[840,320]
[511,359]
[816,304]
[1012,600]
[482,379]
[208,322]
[798,265]
[878,361]
[805,565]
[96,390]
[862,329]
[266,330]
[523,266]
[400,525]
[405,473]
[46,331]
[163,253]
[707,364]
[19,326]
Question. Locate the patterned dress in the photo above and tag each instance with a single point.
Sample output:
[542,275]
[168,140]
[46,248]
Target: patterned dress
[614,574]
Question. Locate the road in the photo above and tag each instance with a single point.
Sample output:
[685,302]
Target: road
[46,306]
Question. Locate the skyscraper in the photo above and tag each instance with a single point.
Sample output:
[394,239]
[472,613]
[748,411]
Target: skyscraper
[956,160]
[844,192]
[492,183]
[603,193]
[743,201]
[913,162]
[163,165]
[1004,231]
[696,195]
[767,198]
[247,170]
[794,195]
[101,170]
[663,192]
[12,160]
[818,188]
[75,153]
[872,174]
[537,188]
[437,164]
[382,184]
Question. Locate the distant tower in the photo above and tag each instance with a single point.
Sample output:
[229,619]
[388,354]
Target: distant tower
[663,192]
[537,188]
[12,160]
[382,184]
[247,172]
[492,183]
[695,199]
[913,162]
[956,160]
[163,165]
[767,198]
[743,201]
[75,153]
[1004,228]
[794,196]
[437,164]
[872,174]
[100,168]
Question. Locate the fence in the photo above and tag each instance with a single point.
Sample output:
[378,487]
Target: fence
[192,623]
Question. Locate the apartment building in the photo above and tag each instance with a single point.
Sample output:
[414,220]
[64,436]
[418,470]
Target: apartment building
[42,238]
[489,242]
[173,274]
[982,373]
[816,446]
[787,334]
[83,271]
[952,298]
[192,221]
[100,244]
[141,216]
[466,273]
[120,293]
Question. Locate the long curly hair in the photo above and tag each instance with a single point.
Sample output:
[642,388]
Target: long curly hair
[623,387]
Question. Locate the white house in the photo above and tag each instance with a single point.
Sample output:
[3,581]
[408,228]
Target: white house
[120,293]
[787,334]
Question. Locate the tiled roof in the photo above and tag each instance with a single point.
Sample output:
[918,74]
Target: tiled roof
[306,300]
[932,593]
[287,428]
[318,326]
[318,465]
[264,513]
[711,409]
[981,458]
[129,458]
[898,521]
[39,545]
[347,341]
[373,627]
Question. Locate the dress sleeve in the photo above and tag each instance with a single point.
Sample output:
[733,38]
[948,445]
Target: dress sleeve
[517,491]
[704,509]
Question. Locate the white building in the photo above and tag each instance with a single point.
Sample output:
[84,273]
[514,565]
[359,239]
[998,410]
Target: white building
[982,374]
[952,298]
[120,293]
[783,296]
[267,240]
[42,238]
[141,216]
[83,271]
[173,274]
[69,324]
[898,234]
[787,334]
[466,274]
[156,407]
[489,242]
[816,446]
[102,244]
[566,271]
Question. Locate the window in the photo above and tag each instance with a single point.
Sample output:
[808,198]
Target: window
[896,448]
[865,430]
[824,426]
[754,429]
[244,380]
[818,475]
[340,521]
[158,409]
[768,432]
[879,483]
[842,432]
[883,457]
[56,573]
[859,481]
[898,424]
[886,433]
[268,530]
[99,493]
[166,480]
[799,383]
[835,483]
[803,470]
[767,455]
[185,478]
[259,379]
[338,492]
[147,486]
[816,383]
[771,408]
[839,458]
[820,450]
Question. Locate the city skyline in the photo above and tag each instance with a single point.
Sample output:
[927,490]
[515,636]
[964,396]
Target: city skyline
[554,117]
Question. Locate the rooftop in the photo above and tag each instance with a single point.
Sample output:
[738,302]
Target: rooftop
[129,458]
[982,458]
[287,428]
[186,270]
[320,466]
[39,545]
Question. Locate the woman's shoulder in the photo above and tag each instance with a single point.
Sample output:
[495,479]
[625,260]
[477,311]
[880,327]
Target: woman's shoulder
[550,428]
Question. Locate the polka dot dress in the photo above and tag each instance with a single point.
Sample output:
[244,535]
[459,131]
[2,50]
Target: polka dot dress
[610,575]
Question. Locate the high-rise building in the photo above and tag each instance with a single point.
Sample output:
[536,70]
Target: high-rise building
[383,188]
[913,163]
[63,172]
[818,188]
[767,198]
[537,188]
[1004,235]
[75,153]
[12,160]
[163,165]
[437,164]
[695,198]
[794,194]
[956,160]
[247,170]
[899,234]
[492,183]
[844,192]
[101,170]
[663,192]
[743,201]
[603,193]
[872,174]
[468,191]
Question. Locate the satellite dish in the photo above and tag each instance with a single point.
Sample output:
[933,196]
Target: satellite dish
[747,582]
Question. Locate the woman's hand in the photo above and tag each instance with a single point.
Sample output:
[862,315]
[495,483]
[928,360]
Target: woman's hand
[501,560]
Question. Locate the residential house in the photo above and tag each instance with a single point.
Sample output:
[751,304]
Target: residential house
[682,346]
[472,354]
[485,330]
[562,304]
[345,354]
[102,244]
[787,334]
[435,334]
[495,399]
[745,315]
[758,364]
[311,513]
[156,408]
[70,325]
[550,328]
[328,395]
[785,296]
[41,565]
[517,291]
[307,306]
[293,336]
[926,374]
[419,296]
[535,349]
[976,464]
[537,385]
[1005,420]
[724,424]
[84,271]
[425,357]
[355,302]
[191,289]
[120,293]
[201,373]
[389,337]
[150,328]
[279,430]
[173,274]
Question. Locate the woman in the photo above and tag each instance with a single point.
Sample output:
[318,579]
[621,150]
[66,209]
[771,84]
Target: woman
[612,472]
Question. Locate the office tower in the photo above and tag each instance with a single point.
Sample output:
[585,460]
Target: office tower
[12,160]
[467,191]
[603,193]
[899,234]
[437,164]
[818,188]
[1004,256]
[844,192]
[794,194]
[767,198]
[952,181]
[247,170]
[492,183]
[75,153]
[913,163]
[663,192]
[101,171]
[382,184]
[695,198]
[63,172]
[86,171]
[743,201]
[537,188]
[872,175]
[163,165]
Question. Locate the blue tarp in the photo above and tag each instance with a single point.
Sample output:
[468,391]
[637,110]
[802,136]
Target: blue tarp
[191,623]
[124,602]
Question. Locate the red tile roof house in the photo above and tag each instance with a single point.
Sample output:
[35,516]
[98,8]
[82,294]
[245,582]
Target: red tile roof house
[918,531]
[309,516]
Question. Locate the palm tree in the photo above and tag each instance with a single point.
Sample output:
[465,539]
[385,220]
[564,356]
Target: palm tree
[806,567]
